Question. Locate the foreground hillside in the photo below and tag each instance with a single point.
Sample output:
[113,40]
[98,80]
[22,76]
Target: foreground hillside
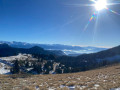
[100,79]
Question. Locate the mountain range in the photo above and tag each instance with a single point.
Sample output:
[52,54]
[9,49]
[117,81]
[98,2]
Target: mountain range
[6,50]
[58,49]
[111,55]
[81,62]
[67,49]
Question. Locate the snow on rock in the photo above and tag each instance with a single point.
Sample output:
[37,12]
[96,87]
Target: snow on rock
[96,86]
[3,70]
[71,87]
[51,89]
[82,87]
[18,57]
[37,88]
[62,86]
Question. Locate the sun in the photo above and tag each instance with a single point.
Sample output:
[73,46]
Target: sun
[100,4]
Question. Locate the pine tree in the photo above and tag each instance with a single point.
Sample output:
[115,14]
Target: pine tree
[16,68]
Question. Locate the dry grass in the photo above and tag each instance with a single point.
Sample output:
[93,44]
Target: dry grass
[99,79]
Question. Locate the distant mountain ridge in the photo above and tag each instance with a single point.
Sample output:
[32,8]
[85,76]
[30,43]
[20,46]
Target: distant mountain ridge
[68,49]
[4,45]
[112,55]
[81,62]
[6,50]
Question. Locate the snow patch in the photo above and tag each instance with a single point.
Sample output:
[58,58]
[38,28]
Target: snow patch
[37,88]
[19,57]
[3,70]
[115,89]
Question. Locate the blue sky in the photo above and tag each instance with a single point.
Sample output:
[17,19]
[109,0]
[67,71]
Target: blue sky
[58,22]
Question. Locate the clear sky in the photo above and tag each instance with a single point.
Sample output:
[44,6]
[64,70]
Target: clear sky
[58,22]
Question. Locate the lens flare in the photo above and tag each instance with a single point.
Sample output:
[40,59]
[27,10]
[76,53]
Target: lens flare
[112,11]
[100,4]
[93,16]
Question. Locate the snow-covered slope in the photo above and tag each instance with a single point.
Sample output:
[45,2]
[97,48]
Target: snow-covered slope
[18,57]
[3,70]
[5,62]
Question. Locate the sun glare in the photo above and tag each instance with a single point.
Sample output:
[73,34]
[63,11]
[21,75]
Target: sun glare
[100,4]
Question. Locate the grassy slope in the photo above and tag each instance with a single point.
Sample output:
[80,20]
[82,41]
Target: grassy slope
[99,79]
